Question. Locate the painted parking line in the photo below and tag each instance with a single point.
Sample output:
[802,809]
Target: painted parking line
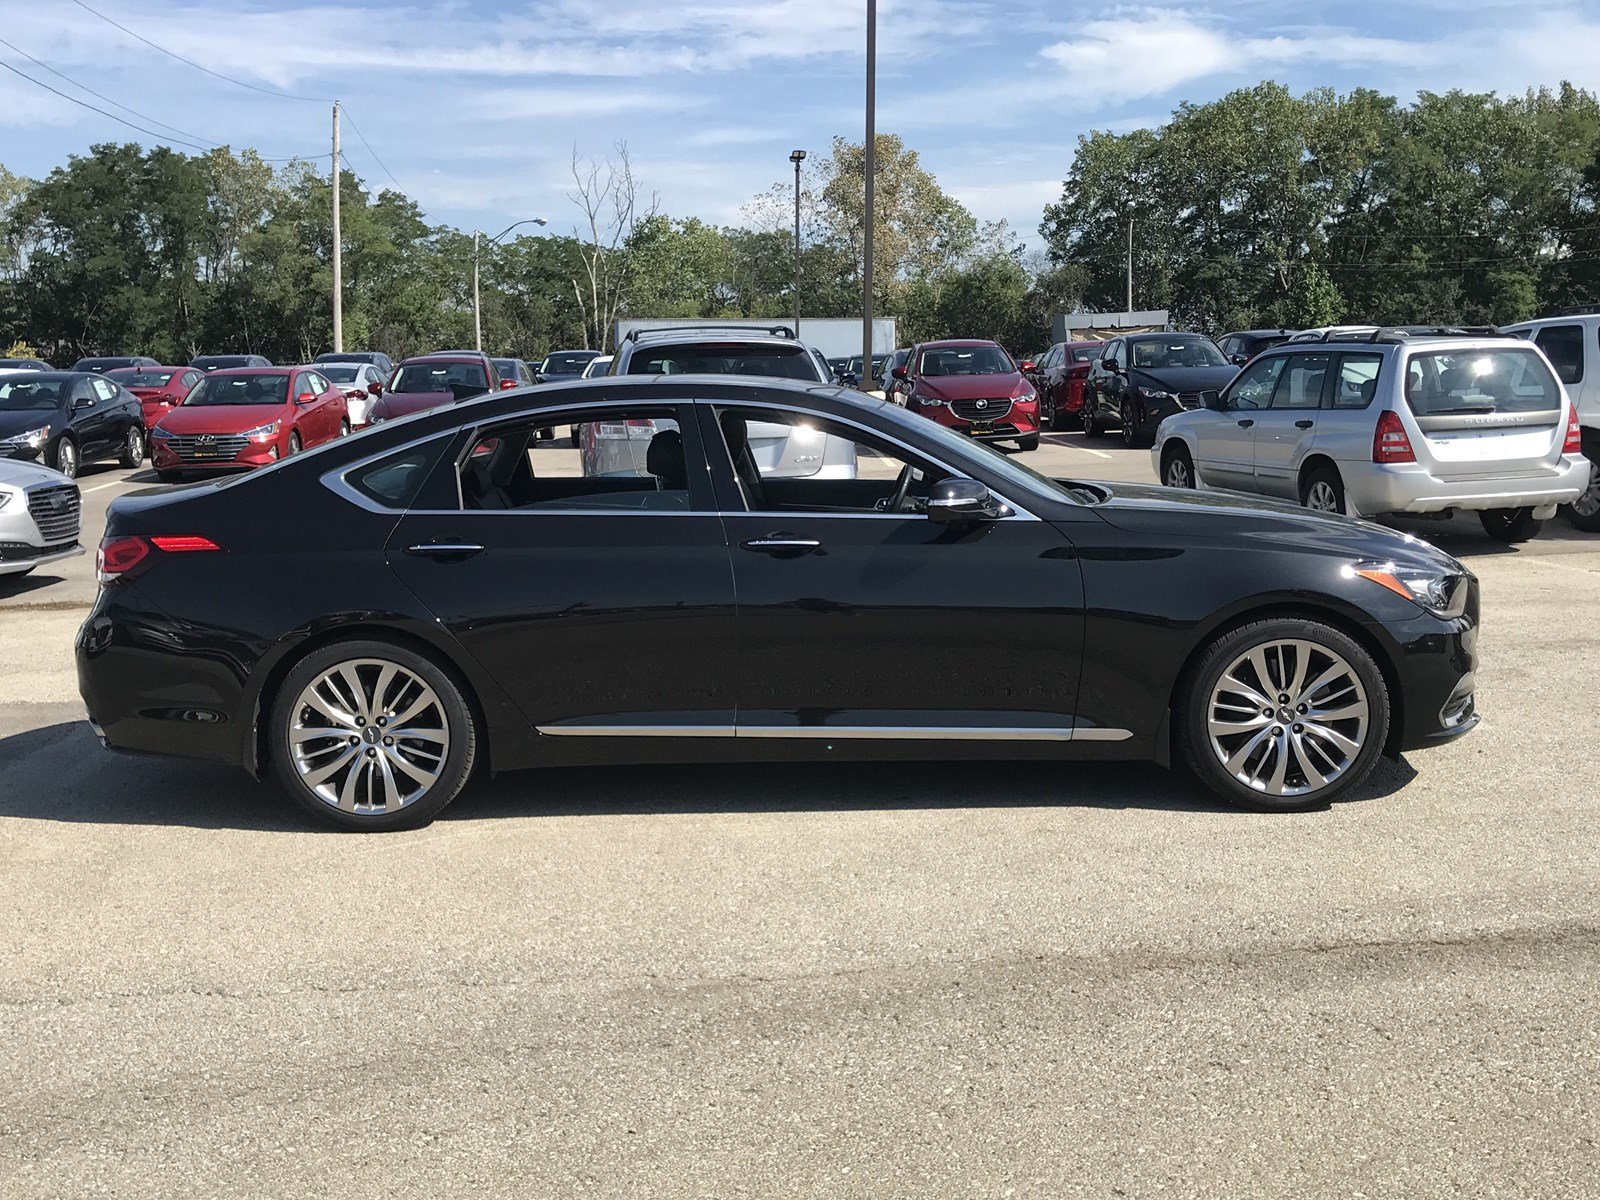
[103,486]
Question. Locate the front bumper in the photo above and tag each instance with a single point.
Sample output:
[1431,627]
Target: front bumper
[1376,488]
[163,458]
[1433,661]
[17,557]
[1020,420]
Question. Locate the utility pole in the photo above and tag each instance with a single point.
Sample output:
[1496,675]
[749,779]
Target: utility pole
[865,382]
[477,310]
[338,244]
[797,157]
[1130,264]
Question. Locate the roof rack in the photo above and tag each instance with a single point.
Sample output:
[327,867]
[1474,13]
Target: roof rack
[633,335]
[1390,334]
[1575,310]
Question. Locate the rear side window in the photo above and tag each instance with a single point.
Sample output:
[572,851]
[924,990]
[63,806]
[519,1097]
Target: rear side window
[1357,382]
[394,481]
[1300,385]
[1480,381]
[1563,346]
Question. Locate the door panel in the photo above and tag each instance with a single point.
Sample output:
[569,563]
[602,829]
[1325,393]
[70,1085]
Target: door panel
[1226,446]
[1286,431]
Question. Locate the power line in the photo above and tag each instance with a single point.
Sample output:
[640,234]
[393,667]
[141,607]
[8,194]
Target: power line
[370,150]
[103,112]
[197,66]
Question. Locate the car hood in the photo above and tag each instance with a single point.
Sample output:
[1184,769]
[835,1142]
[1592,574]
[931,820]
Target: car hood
[1183,379]
[970,387]
[1196,514]
[222,418]
[18,421]
[402,404]
[16,473]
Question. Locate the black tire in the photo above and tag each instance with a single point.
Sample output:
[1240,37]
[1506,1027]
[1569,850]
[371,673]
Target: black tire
[1134,435]
[132,453]
[457,714]
[1325,487]
[1584,512]
[1177,467]
[294,444]
[1191,717]
[1031,442]
[1047,410]
[170,476]
[1087,418]
[575,436]
[64,457]
[344,427]
[1510,525]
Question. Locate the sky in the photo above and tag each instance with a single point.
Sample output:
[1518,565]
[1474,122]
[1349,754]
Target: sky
[474,107]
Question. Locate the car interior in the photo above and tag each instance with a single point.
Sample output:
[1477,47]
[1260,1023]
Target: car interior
[503,471]
[42,396]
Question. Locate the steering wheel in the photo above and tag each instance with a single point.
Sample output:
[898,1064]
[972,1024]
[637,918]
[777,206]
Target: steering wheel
[902,485]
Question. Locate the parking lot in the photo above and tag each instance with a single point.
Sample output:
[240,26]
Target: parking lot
[1032,980]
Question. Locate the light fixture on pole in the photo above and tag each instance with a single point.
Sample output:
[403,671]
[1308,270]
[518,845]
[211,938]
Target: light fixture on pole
[477,310]
[797,157]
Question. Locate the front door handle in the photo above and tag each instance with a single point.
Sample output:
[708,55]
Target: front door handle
[782,543]
[1245,424]
[1304,424]
[446,549]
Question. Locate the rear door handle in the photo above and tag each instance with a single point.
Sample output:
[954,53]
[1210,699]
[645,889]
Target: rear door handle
[1304,424]
[446,549]
[1246,424]
[782,543]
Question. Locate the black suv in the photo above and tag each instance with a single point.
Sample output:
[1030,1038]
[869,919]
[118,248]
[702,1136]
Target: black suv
[1144,377]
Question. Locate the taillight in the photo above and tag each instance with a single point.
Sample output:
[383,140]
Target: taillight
[123,557]
[1574,442]
[1390,443]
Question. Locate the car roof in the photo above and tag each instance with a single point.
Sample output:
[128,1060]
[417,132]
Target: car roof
[228,371]
[153,367]
[460,356]
[35,376]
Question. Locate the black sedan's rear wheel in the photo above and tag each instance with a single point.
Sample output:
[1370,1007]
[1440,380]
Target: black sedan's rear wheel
[372,735]
[1090,422]
[1283,714]
[132,454]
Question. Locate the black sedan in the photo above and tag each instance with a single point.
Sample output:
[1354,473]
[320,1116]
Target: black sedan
[1145,377]
[68,418]
[456,594]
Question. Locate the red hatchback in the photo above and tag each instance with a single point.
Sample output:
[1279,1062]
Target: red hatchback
[1059,379]
[974,387]
[247,417]
[160,389]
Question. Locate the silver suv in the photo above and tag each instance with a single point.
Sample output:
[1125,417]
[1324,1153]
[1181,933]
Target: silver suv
[1389,422]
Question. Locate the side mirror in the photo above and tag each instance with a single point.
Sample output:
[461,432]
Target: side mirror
[1212,400]
[375,389]
[1109,364]
[85,402]
[1027,365]
[955,500]
[849,379]
[306,398]
[900,373]
[507,384]
[1239,360]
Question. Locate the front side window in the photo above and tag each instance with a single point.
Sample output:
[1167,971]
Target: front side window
[800,462]
[239,389]
[1300,384]
[966,360]
[1480,382]
[1357,382]
[1254,387]
[1563,346]
[627,459]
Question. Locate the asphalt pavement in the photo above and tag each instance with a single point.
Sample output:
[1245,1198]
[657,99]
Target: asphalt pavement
[1041,980]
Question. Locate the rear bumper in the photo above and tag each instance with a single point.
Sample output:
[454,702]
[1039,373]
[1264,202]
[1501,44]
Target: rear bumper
[1375,488]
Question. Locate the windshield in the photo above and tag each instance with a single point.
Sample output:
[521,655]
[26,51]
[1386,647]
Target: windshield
[220,364]
[460,379]
[967,360]
[30,395]
[340,374]
[1164,353]
[786,361]
[217,390]
[565,364]
[132,377]
[1480,381]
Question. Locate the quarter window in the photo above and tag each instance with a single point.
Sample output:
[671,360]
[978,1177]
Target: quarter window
[1300,384]
[1357,383]
[1253,388]
[394,481]
[1563,346]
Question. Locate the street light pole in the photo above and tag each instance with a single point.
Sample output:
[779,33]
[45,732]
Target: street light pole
[797,157]
[871,169]
[477,237]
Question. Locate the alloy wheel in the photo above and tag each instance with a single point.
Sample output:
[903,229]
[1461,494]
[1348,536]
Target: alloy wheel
[1178,473]
[135,446]
[1321,497]
[1587,505]
[1130,428]
[1288,718]
[368,737]
[67,458]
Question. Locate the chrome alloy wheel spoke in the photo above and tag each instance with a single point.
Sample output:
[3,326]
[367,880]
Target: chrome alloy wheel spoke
[355,751]
[1279,734]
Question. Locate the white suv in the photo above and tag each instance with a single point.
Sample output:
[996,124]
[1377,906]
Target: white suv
[1389,422]
[1572,344]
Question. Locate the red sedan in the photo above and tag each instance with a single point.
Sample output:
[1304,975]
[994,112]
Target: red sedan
[974,387]
[160,389]
[1059,379]
[248,417]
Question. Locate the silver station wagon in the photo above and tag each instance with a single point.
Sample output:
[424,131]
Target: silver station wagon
[1388,421]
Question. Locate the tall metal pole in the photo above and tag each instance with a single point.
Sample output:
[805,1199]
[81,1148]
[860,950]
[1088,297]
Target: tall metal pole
[798,157]
[477,311]
[338,243]
[872,170]
[1130,264]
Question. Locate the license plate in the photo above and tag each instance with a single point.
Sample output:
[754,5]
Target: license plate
[980,427]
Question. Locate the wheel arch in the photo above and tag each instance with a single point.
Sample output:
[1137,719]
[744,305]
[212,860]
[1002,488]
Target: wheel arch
[256,747]
[1313,462]
[1295,610]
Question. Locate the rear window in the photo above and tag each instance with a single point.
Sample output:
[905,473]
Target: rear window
[565,364]
[221,364]
[724,358]
[462,380]
[340,374]
[1480,381]
[133,377]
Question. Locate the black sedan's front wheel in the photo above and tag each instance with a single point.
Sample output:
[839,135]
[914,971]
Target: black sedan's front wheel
[1282,715]
[372,735]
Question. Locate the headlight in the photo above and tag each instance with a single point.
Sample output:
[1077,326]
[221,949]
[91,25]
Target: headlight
[1027,397]
[262,433]
[1441,592]
[924,401]
[33,439]
[1156,394]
